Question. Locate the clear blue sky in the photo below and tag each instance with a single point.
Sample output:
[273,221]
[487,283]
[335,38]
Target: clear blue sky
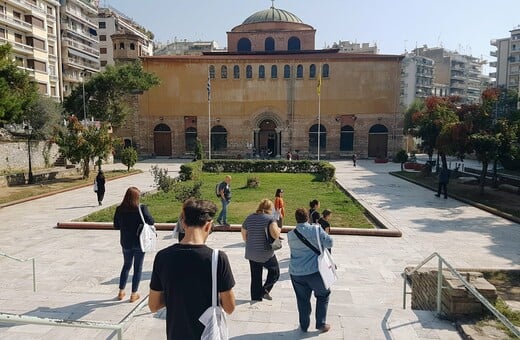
[465,26]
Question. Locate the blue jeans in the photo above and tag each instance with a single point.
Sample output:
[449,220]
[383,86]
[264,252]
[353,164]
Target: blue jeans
[129,255]
[222,217]
[303,286]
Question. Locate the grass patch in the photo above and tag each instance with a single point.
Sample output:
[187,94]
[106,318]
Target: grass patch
[15,193]
[299,190]
[493,198]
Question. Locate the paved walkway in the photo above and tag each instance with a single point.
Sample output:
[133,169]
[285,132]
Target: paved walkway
[78,270]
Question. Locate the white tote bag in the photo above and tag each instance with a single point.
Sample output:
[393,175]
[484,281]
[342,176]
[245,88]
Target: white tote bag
[214,318]
[148,235]
[326,265]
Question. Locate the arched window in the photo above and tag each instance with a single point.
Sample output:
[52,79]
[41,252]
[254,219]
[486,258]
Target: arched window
[132,46]
[274,71]
[325,71]
[244,45]
[293,44]
[313,138]
[121,46]
[249,72]
[312,71]
[261,71]
[223,72]
[212,71]
[269,44]
[346,141]
[218,138]
[236,72]
[287,71]
[190,139]
[299,71]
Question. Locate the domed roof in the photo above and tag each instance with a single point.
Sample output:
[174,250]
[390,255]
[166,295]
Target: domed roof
[272,14]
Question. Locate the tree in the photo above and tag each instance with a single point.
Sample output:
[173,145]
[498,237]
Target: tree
[129,157]
[81,144]
[106,93]
[199,150]
[17,89]
[401,157]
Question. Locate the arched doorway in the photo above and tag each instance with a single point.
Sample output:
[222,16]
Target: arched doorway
[378,141]
[267,142]
[162,141]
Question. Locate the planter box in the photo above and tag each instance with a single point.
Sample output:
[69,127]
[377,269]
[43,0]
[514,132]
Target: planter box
[413,166]
[381,160]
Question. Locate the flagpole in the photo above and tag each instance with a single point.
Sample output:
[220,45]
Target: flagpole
[319,113]
[209,115]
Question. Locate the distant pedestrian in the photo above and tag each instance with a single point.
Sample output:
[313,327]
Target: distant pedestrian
[127,220]
[224,190]
[444,178]
[100,181]
[257,229]
[305,276]
[314,214]
[354,159]
[279,207]
[324,220]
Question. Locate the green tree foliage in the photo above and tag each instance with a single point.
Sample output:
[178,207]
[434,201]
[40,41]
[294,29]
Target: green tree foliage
[401,157]
[17,90]
[44,116]
[199,150]
[82,144]
[106,93]
[129,157]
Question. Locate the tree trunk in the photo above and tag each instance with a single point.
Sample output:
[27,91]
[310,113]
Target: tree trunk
[483,173]
[86,167]
[495,175]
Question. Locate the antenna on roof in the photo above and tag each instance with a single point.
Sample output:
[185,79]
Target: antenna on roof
[272,5]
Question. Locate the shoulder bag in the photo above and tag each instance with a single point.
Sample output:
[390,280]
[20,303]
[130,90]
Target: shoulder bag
[275,244]
[214,318]
[326,265]
[147,235]
[95,186]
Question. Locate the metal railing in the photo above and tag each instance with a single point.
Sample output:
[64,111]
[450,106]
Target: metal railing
[25,260]
[118,328]
[441,261]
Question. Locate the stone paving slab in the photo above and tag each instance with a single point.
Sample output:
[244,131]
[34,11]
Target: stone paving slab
[78,270]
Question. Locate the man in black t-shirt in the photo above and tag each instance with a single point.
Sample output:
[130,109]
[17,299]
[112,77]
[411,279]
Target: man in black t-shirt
[181,276]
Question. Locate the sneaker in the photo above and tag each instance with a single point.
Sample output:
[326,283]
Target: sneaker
[134,297]
[219,222]
[267,296]
[325,328]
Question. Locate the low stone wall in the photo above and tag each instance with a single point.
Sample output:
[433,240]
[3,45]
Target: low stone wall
[14,156]
[456,301]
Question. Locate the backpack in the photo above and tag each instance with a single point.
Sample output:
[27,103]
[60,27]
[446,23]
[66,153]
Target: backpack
[217,191]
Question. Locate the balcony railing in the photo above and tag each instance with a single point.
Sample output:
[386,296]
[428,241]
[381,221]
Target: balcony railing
[79,15]
[25,26]
[493,53]
[72,43]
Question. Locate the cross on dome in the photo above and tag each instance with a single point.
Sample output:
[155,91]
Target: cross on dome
[272,5]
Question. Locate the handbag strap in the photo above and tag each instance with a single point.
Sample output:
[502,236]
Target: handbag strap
[141,214]
[318,237]
[306,242]
[214,262]
[266,230]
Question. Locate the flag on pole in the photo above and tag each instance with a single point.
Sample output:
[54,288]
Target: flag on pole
[209,88]
[318,87]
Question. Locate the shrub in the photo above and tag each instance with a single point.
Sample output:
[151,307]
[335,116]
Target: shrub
[190,171]
[199,150]
[401,157]
[253,182]
[161,179]
[185,190]
[129,157]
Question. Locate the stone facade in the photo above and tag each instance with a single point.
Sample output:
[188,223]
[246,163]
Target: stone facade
[15,156]
[456,301]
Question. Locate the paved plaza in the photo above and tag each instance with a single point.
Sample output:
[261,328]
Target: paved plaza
[78,270]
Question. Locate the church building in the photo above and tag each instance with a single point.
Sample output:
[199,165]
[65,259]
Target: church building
[270,93]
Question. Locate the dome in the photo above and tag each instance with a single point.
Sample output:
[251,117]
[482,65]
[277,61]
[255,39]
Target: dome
[272,14]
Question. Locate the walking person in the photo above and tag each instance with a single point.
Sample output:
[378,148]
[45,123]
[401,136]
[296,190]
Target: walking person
[314,214]
[279,207]
[100,181]
[444,178]
[354,159]
[181,277]
[224,191]
[324,220]
[305,276]
[128,221]
[255,231]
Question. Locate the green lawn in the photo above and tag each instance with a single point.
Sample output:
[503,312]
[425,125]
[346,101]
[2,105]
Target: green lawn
[299,190]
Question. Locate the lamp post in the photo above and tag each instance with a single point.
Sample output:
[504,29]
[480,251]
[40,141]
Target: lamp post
[28,131]
[83,74]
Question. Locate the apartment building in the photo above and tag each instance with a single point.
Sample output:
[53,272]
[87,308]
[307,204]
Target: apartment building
[185,47]
[352,47]
[416,78]
[79,42]
[111,22]
[461,74]
[507,65]
[30,26]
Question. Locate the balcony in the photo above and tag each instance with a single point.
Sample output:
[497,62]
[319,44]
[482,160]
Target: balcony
[493,42]
[79,15]
[458,86]
[79,46]
[22,48]
[493,74]
[80,33]
[25,4]
[493,64]
[493,53]
[22,25]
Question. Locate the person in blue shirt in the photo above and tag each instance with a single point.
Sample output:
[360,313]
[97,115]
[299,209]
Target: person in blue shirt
[305,276]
